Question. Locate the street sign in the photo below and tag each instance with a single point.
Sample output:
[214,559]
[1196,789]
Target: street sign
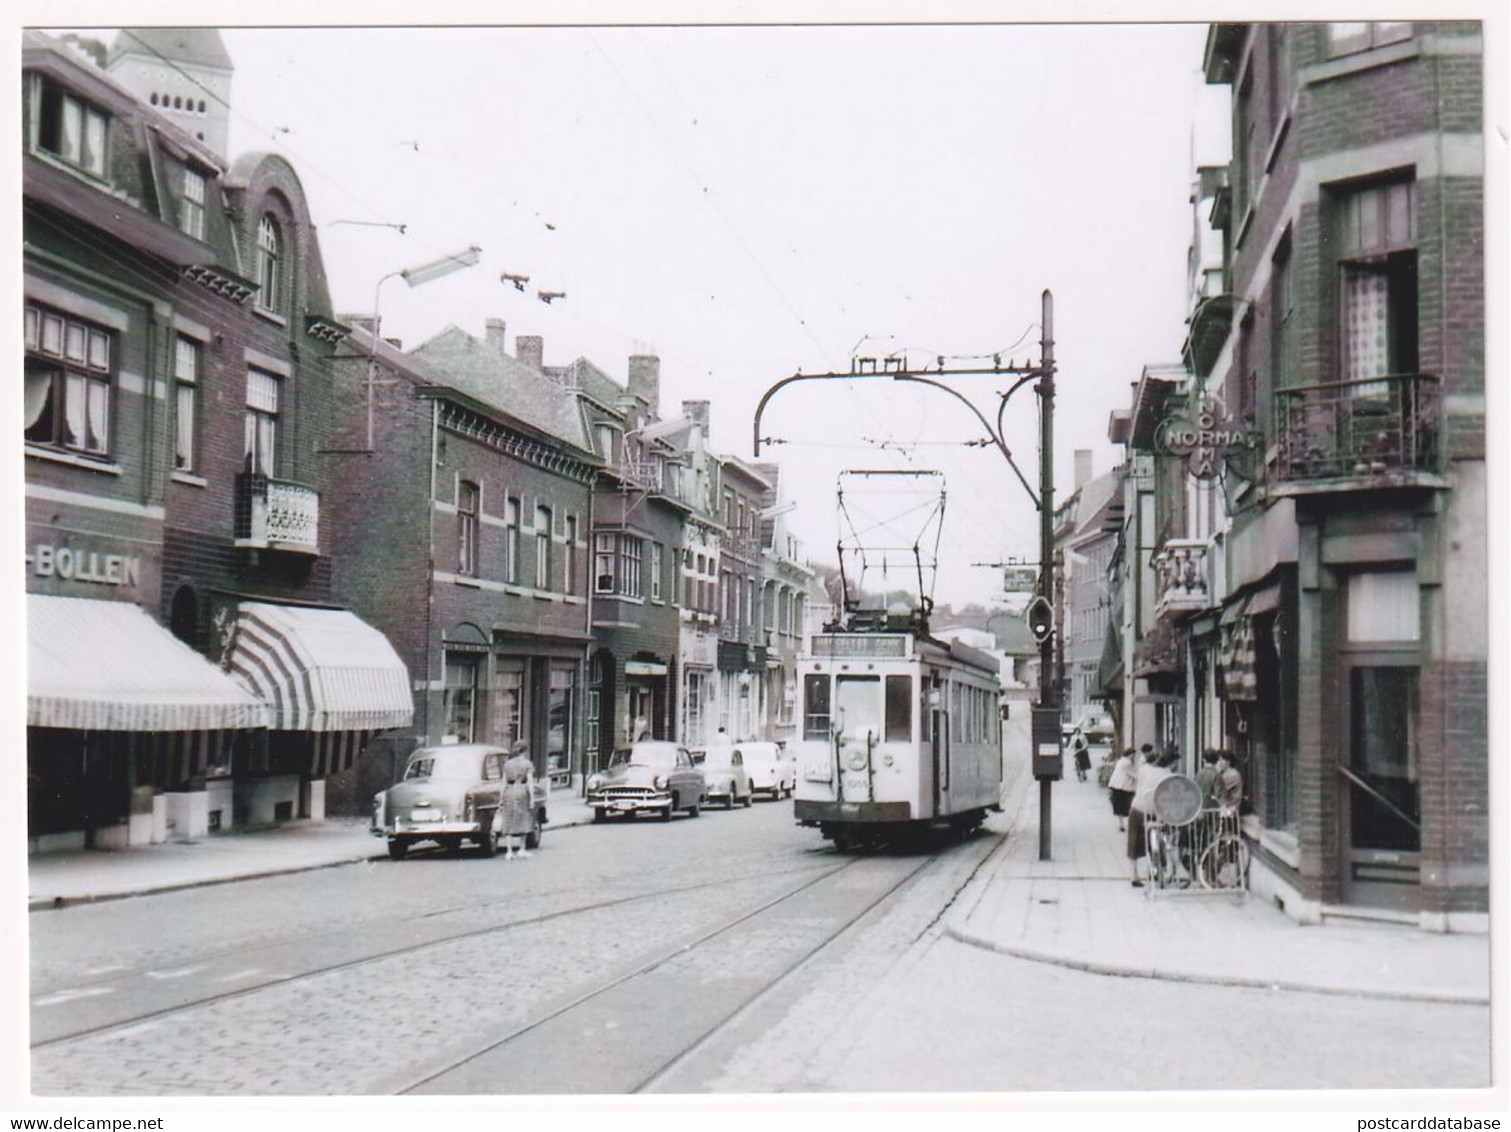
[1020,579]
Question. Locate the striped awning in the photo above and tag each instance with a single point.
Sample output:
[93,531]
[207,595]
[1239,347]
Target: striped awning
[1239,680]
[319,669]
[107,666]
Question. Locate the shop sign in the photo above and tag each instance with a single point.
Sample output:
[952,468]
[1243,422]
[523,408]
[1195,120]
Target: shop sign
[1206,436]
[98,567]
[1020,579]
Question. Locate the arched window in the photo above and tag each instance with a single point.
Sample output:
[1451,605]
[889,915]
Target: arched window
[183,620]
[201,105]
[268,246]
[178,102]
[154,98]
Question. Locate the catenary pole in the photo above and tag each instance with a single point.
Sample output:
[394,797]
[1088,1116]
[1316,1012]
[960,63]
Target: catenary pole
[1049,692]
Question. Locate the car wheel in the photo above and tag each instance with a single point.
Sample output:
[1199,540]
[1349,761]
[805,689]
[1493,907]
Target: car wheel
[692,811]
[749,798]
[729,800]
[397,850]
[598,813]
[532,839]
[488,842]
[666,814]
[451,844]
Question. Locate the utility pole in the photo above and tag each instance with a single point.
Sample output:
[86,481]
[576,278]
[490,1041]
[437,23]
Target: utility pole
[1047,758]
[1047,769]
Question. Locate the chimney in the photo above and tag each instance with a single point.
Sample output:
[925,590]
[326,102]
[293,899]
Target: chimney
[530,349]
[1083,467]
[697,411]
[494,330]
[645,380]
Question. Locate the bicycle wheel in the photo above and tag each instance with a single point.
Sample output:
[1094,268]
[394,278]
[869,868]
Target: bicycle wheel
[1225,863]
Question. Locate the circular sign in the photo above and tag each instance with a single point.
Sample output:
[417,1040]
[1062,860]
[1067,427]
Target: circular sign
[1205,435]
[1177,800]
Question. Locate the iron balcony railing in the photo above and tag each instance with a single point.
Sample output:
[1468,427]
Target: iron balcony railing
[1181,570]
[642,474]
[277,514]
[1362,429]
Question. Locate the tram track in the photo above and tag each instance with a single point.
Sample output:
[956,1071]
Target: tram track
[86,990]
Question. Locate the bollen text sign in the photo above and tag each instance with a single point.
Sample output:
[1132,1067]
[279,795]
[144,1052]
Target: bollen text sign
[100,568]
[1206,436]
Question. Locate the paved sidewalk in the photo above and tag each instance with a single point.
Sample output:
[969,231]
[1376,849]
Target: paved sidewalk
[1080,910]
[55,880]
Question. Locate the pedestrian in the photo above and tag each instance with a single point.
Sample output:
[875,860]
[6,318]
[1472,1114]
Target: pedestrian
[641,729]
[1120,785]
[1206,777]
[1227,792]
[1082,754]
[516,809]
[1149,775]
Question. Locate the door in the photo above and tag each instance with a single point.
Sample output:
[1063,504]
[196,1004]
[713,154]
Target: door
[1382,802]
[857,721]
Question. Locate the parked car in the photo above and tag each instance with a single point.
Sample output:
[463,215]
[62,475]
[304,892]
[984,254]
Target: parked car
[770,769]
[1095,725]
[653,776]
[724,772]
[448,795]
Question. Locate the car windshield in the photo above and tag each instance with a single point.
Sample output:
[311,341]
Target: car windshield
[645,755]
[444,764]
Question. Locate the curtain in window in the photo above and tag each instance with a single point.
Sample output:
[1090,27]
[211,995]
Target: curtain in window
[38,395]
[1366,326]
[74,411]
[183,443]
[73,130]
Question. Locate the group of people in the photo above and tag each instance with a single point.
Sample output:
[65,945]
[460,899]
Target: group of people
[1137,774]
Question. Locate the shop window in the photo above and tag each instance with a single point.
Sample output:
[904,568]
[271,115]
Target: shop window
[467,506]
[1348,38]
[509,722]
[561,699]
[71,130]
[68,383]
[264,395]
[192,207]
[186,353]
[459,709]
[543,548]
[269,264]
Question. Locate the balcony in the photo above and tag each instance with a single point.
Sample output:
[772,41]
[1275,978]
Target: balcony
[1356,435]
[644,475]
[277,515]
[741,546]
[1181,570]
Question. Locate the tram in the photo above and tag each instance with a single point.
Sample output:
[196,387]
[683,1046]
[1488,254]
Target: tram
[900,735]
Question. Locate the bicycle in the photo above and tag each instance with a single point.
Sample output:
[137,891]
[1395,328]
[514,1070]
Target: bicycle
[1225,863]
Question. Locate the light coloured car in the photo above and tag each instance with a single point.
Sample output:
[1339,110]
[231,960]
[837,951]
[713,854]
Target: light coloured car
[724,771]
[770,770]
[448,795]
[650,776]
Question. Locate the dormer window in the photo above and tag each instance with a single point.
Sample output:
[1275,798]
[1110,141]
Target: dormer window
[191,217]
[1348,38]
[71,130]
[270,297]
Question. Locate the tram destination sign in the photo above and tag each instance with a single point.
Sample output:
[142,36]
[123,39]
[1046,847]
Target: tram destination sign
[1207,437]
[860,644]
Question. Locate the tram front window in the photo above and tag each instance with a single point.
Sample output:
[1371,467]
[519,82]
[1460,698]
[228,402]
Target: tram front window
[815,707]
[857,707]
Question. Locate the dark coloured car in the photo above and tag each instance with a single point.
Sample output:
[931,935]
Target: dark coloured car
[651,776]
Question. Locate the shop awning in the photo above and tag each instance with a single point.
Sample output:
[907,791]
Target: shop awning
[1239,681]
[107,666]
[319,669]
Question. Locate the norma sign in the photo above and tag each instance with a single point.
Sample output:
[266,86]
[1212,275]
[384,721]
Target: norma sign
[1206,436]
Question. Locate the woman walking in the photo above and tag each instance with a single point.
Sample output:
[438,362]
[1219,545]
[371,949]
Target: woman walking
[517,807]
[1120,786]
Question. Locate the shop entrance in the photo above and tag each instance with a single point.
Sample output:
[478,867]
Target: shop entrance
[1380,767]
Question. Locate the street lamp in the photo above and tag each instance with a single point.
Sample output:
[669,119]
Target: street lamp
[415,276]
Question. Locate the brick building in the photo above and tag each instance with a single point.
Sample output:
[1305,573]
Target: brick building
[785,575]
[177,393]
[742,636]
[1336,642]
[468,544]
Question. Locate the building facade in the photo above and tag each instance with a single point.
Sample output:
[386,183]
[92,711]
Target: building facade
[742,636]
[785,576]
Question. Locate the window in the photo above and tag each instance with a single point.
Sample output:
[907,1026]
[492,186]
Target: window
[560,701]
[605,435]
[511,541]
[68,371]
[467,496]
[1350,37]
[899,725]
[569,557]
[1282,334]
[191,216]
[460,707]
[269,279]
[1250,163]
[1279,77]
[542,548]
[656,571]
[263,393]
[1377,284]
[603,564]
[629,565]
[617,562]
[71,130]
[509,722]
[816,707]
[185,402]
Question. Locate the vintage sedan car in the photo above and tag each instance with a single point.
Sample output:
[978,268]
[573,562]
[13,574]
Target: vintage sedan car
[651,776]
[448,795]
[724,770]
[770,771]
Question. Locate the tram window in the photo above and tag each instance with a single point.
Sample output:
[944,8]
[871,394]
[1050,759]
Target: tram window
[899,709]
[815,707]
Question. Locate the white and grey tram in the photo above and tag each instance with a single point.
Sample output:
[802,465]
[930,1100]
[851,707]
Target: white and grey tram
[900,734]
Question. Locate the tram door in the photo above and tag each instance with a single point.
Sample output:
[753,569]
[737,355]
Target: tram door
[857,721]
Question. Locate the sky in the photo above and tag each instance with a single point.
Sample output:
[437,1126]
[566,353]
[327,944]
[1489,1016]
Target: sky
[751,202]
